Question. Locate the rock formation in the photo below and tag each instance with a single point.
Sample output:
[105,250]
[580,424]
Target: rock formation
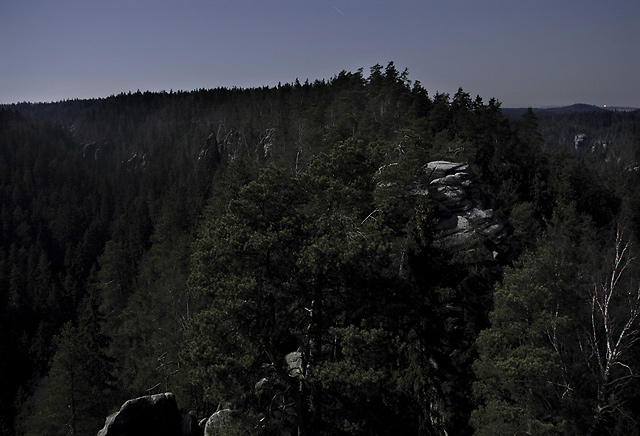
[294,364]
[579,140]
[467,219]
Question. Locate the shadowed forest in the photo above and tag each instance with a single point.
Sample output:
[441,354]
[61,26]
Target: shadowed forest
[265,250]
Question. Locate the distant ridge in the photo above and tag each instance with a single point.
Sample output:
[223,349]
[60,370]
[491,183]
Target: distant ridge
[556,110]
[579,107]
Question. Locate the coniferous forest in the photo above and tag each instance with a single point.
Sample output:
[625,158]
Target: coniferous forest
[267,251]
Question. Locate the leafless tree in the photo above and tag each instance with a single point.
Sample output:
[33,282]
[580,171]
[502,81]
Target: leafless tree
[615,307]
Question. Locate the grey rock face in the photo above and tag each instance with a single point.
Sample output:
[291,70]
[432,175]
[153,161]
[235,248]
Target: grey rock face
[579,140]
[217,422]
[466,212]
[440,168]
[156,415]
[294,364]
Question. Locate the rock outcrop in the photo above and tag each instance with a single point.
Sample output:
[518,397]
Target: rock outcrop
[467,219]
[579,140]
[156,415]
[294,364]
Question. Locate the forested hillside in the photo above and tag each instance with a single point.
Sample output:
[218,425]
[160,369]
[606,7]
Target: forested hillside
[609,138]
[272,251]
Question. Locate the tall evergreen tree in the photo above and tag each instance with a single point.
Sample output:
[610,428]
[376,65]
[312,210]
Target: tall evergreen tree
[78,391]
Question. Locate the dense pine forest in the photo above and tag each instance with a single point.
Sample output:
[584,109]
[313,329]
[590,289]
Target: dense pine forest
[269,251]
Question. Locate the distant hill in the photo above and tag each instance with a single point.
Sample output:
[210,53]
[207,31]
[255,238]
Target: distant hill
[580,107]
[621,109]
[563,110]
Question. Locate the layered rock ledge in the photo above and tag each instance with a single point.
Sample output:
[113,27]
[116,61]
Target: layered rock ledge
[467,218]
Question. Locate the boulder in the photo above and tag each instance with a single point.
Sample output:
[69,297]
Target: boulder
[218,421]
[156,415]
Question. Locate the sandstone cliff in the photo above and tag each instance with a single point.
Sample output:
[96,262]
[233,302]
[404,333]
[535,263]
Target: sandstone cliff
[467,219]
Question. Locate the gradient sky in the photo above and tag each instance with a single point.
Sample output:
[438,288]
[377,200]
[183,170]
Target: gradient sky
[522,52]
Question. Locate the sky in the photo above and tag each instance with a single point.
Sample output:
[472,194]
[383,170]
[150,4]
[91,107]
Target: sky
[521,52]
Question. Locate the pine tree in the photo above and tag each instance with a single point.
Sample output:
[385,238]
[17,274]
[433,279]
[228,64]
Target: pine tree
[78,390]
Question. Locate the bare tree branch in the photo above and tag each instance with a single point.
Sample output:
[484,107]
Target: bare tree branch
[614,327]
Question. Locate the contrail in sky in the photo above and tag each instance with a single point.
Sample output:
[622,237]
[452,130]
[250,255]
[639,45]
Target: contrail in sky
[338,10]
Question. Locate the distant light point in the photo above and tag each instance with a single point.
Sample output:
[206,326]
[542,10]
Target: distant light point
[605,105]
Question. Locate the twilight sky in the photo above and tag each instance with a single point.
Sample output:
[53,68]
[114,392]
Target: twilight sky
[522,52]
